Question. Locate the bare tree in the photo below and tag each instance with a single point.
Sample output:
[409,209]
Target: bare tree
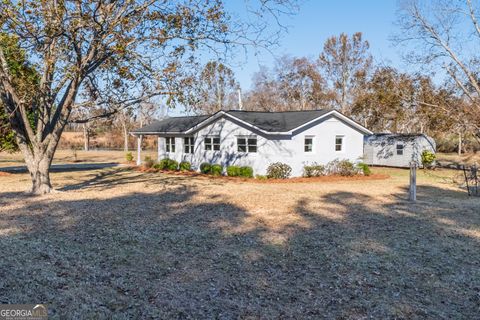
[345,62]
[446,36]
[294,84]
[301,85]
[216,89]
[264,94]
[97,53]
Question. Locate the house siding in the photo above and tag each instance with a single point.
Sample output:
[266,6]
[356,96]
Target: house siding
[270,148]
[382,150]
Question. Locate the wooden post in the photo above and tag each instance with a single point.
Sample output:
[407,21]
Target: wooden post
[139,150]
[412,194]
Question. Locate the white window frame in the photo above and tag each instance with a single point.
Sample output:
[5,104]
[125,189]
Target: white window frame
[211,143]
[342,144]
[249,147]
[188,145]
[170,144]
[305,144]
[402,149]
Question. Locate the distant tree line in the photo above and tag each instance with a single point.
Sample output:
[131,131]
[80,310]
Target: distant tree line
[345,77]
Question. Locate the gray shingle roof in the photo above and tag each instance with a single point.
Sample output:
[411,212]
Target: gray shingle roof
[267,121]
[174,124]
[278,121]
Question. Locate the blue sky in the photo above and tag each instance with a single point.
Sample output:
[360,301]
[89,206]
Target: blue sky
[318,20]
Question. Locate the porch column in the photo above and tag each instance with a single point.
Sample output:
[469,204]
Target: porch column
[139,150]
[158,148]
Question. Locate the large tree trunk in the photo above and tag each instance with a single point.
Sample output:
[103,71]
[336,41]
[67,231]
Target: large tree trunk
[40,175]
[38,158]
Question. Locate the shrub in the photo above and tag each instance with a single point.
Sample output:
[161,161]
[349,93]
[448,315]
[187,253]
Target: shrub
[216,170]
[341,167]
[148,162]
[129,156]
[315,170]
[246,172]
[205,167]
[364,168]
[185,166]
[346,168]
[162,164]
[428,158]
[279,170]
[166,164]
[172,165]
[261,177]
[233,171]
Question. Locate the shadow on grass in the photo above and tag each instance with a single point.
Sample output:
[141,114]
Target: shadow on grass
[171,255]
[108,179]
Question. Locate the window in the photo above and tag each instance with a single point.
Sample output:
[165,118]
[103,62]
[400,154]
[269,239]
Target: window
[399,149]
[339,143]
[212,143]
[308,144]
[246,144]
[188,144]
[170,144]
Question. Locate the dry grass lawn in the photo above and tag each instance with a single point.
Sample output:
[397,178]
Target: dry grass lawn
[454,159]
[70,156]
[124,244]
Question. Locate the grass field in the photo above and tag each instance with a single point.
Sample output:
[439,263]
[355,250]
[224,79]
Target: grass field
[79,156]
[117,243]
[455,159]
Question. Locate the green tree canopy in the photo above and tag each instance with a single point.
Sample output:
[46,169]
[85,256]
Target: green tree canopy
[25,79]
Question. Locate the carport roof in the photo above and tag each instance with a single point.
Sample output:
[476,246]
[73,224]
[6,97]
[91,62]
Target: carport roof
[173,125]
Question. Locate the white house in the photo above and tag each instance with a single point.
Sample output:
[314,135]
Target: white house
[257,139]
[396,150]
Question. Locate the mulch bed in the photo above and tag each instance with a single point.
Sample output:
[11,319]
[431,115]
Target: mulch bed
[332,178]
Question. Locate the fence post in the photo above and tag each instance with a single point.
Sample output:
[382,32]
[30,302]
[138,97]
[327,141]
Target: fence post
[412,192]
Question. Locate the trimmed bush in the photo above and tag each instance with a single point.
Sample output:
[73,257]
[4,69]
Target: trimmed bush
[216,170]
[129,156]
[205,167]
[185,166]
[279,170]
[172,165]
[315,170]
[167,164]
[246,172]
[428,158]
[364,168]
[148,162]
[233,171]
[162,164]
[344,168]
